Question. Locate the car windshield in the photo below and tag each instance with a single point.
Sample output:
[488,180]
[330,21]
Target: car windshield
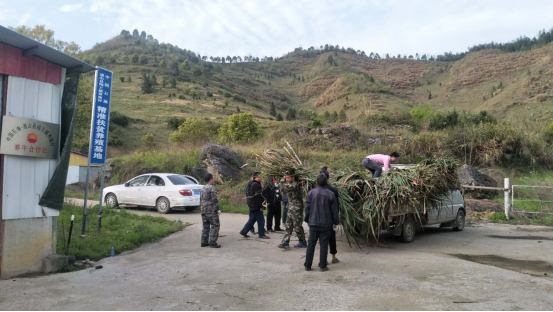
[180,180]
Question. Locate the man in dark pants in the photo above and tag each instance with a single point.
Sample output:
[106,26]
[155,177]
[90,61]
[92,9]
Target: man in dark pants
[271,193]
[210,214]
[332,241]
[321,213]
[255,205]
[374,163]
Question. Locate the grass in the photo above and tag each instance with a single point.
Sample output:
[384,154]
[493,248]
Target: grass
[72,194]
[241,209]
[124,230]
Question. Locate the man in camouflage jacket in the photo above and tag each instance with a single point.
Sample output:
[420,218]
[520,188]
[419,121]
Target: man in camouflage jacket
[294,219]
[210,214]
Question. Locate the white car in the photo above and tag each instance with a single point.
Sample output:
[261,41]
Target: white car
[165,191]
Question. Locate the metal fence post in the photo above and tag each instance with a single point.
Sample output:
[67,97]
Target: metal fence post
[507,185]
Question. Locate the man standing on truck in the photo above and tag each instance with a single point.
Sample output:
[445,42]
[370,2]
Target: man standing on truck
[321,213]
[294,218]
[255,205]
[375,162]
[332,240]
[210,214]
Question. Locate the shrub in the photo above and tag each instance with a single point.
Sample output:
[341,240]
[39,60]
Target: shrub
[315,122]
[421,113]
[238,98]
[119,119]
[149,141]
[227,94]
[548,134]
[497,217]
[181,97]
[440,121]
[193,130]
[239,128]
[209,94]
[193,93]
[279,117]
[175,122]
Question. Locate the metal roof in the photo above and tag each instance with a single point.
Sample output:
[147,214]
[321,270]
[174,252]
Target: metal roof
[43,51]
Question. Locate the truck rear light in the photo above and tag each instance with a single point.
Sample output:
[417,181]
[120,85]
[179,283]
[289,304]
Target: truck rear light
[185,192]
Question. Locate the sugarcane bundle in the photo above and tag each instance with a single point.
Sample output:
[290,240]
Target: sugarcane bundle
[364,202]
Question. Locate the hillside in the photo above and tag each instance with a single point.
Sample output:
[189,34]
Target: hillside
[515,87]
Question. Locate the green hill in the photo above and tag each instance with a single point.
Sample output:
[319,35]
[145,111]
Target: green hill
[514,87]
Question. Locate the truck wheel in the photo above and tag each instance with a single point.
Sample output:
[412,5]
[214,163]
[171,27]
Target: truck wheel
[409,230]
[111,200]
[163,205]
[459,221]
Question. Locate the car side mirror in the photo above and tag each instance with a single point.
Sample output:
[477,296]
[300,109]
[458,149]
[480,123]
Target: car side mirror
[127,184]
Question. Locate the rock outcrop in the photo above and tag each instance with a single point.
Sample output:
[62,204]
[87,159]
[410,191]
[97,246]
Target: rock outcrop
[221,161]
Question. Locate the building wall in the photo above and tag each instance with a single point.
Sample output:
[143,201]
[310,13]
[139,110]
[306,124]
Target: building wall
[73,175]
[93,173]
[26,243]
[78,160]
[26,178]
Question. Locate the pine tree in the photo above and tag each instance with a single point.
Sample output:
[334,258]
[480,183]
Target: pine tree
[147,84]
[154,80]
[129,79]
[173,82]
[273,111]
[279,117]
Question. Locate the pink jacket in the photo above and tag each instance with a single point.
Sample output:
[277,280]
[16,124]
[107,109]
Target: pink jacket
[382,160]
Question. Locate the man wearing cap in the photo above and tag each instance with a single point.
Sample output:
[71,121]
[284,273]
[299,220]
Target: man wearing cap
[210,214]
[255,205]
[294,218]
[272,195]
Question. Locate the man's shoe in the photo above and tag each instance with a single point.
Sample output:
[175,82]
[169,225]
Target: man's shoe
[284,245]
[335,260]
[215,245]
[301,245]
[264,237]
[243,234]
[323,269]
[307,268]
[205,244]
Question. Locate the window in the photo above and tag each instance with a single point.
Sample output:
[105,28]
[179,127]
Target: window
[180,180]
[138,181]
[155,181]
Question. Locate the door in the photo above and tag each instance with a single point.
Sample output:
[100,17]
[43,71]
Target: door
[153,189]
[132,194]
[442,211]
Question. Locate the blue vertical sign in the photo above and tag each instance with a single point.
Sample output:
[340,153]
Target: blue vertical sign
[100,117]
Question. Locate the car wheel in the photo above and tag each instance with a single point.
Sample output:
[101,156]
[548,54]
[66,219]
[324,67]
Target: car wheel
[409,230]
[190,209]
[111,200]
[163,205]
[459,221]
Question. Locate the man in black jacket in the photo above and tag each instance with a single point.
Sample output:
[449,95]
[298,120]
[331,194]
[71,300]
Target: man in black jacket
[332,240]
[255,205]
[321,213]
[271,193]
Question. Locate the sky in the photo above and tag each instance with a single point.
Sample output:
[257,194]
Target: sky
[275,27]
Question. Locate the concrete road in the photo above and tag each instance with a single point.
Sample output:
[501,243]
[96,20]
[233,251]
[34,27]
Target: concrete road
[489,267]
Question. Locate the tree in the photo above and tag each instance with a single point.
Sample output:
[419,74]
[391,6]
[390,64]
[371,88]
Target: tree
[46,36]
[291,114]
[279,117]
[239,128]
[143,35]
[197,71]
[273,111]
[150,37]
[122,79]
[135,33]
[173,82]
[175,66]
[162,64]
[238,109]
[154,80]
[423,57]
[134,59]
[125,59]
[193,130]
[129,80]
[143,59]
[100,60]
[147,84]
[342,117]
[330,60]
[185,65]
[164,81]
[334,117]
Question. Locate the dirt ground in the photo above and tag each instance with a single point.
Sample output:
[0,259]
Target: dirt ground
[488,267]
